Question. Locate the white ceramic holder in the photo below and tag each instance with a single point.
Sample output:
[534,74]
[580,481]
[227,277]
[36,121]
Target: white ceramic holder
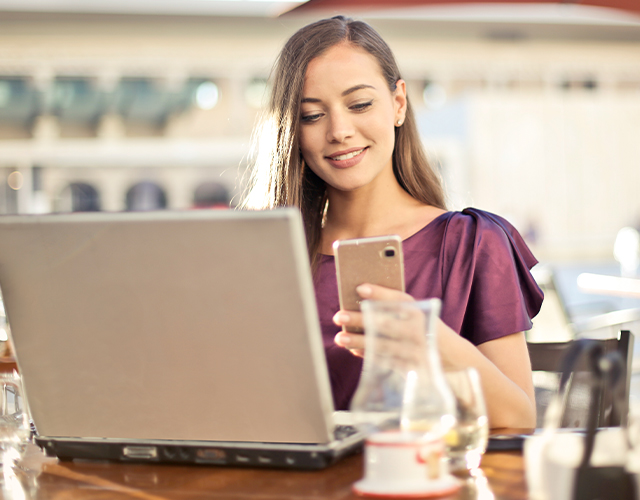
[405,465]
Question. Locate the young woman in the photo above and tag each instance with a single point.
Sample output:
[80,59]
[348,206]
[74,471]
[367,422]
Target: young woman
[339,141]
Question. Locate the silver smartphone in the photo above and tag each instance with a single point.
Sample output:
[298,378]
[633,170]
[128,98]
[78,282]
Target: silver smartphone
[377,260]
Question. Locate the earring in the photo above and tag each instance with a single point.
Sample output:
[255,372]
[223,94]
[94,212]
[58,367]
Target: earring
[399,122]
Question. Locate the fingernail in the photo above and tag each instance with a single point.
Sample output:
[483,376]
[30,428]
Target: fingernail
[343,339]
[341,318]
[364,291]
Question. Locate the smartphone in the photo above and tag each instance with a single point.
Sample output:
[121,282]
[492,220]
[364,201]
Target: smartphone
[376,260]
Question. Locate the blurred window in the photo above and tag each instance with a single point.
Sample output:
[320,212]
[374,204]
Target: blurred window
[143,100]
[79,197]
[199,92]
[77,101]
[20,102]
[211,195]
[146,195]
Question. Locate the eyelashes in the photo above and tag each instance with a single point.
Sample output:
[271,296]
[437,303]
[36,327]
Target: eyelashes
[310,118]
[358,108]
[362,106]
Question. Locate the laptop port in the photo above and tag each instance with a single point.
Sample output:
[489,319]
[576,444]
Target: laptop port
[243,459]
[211,455]
[264,460]
[140,452]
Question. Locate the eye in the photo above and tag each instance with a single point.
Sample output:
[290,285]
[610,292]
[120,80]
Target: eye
[362,106]
[310,118]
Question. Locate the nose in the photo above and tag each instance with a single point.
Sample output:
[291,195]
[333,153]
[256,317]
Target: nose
[340,127]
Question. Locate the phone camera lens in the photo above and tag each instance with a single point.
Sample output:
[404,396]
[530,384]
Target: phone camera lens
[389,252]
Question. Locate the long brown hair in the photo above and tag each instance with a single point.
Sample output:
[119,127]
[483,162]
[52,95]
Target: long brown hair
[280,176]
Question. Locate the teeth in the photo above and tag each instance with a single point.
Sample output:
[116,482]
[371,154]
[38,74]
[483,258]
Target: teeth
[348,155]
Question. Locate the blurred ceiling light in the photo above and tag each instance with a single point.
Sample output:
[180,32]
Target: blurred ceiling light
[15,180]
[626,250]
[609,285]
[255,93]
[434,95]
[3,335]
[207,95]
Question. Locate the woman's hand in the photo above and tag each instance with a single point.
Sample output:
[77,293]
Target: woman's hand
[355,341]
[503,363]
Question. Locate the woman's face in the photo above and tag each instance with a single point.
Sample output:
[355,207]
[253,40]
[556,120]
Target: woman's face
[348,118]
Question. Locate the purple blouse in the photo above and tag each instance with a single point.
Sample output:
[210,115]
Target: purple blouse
[474,261]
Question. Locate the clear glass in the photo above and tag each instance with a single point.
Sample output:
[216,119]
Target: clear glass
[476,485]
[402,385]
[15,429]
[467,441]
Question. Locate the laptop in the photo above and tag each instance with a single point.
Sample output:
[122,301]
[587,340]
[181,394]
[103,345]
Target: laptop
[177,337]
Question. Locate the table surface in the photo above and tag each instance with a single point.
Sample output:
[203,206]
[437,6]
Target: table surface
[501,477]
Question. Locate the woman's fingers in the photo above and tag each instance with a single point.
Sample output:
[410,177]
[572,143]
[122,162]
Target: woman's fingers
[353,320]
[352,341]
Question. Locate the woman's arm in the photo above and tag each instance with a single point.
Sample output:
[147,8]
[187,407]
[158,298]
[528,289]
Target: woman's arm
[505,373]
[503,364]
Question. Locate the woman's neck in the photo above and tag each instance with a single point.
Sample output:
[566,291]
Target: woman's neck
[373,211]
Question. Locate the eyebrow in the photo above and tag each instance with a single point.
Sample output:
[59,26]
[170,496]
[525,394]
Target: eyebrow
[350,90]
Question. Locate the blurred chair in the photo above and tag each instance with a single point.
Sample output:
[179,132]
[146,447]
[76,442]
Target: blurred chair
[603,323]
[595,319]
[546,357]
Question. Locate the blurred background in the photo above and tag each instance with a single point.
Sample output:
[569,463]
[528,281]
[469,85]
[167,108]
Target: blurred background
[528,109]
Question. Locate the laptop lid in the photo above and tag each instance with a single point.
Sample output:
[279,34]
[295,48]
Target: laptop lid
[194,325]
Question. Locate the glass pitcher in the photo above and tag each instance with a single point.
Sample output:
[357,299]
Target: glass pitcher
[402,385]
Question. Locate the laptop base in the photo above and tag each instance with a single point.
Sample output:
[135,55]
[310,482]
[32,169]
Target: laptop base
[270,455]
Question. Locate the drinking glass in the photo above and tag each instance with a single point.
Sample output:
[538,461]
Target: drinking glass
[467,441]
[14,420]
[476,485]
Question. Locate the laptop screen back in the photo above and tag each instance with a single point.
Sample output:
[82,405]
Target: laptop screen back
[196,325]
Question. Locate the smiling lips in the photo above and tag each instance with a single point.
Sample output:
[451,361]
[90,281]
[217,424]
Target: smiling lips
[347,159]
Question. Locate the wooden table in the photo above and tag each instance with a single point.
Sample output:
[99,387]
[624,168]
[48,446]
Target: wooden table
[38,477]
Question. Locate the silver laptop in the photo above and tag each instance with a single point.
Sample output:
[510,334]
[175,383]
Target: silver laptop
[182,337]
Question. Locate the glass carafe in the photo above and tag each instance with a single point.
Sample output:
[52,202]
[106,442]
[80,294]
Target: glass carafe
[402,385]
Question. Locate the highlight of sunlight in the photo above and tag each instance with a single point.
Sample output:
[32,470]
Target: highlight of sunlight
[261,177]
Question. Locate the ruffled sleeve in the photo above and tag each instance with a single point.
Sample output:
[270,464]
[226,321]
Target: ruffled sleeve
[487,289]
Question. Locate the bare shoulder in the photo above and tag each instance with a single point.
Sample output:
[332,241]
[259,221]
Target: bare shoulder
[422,216]
[430,213]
